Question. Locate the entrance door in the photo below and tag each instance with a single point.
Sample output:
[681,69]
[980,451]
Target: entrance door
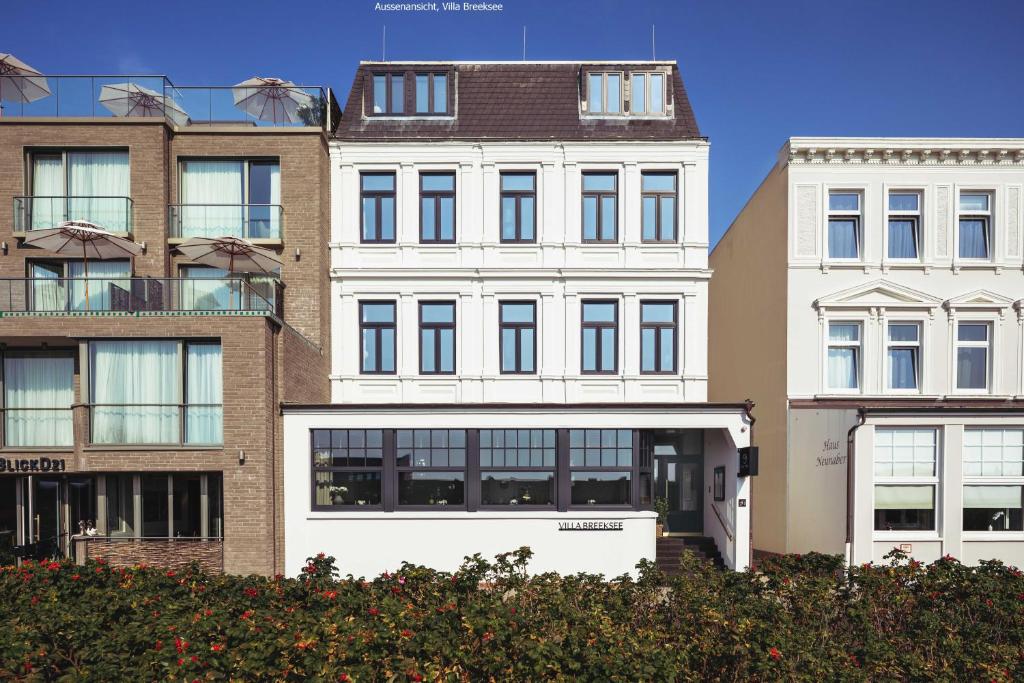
[46,526]
[679,479]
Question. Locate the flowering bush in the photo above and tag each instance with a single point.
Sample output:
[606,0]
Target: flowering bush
[795,618]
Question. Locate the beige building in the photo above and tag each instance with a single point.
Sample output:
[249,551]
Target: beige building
[868,299]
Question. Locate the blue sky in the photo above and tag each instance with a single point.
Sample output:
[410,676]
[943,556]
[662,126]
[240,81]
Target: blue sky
[757,72]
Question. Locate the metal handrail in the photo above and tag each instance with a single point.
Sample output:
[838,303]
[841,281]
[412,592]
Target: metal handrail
[77,95]
[25,207]
[718,516]
[181,226]
[128,294]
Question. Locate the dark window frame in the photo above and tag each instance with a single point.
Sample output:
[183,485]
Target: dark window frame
[517,196]
[598,196]
[482,469]
[377,327]
[659,219]
[378,196]
[599,326]
[436,328]
[518,327]
[36,352]
[315,468]
[657,327]
[464,469]
[431,100]
[472,473]
[604,74]
[437,196]
[389,77]
[633,469]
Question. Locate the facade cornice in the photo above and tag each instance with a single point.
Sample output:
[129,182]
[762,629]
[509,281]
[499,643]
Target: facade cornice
[1008,152]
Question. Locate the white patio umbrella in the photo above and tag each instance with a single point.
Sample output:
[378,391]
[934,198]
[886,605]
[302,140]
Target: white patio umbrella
[86,239]
[131,99]
[19,82]
[233,254]
[271,99]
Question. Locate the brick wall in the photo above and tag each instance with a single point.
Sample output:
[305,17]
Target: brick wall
[146,141]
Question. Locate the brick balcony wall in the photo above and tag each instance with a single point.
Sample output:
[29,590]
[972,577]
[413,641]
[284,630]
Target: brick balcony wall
[157,552]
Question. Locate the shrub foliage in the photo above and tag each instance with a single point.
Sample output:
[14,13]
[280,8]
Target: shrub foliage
[797,617]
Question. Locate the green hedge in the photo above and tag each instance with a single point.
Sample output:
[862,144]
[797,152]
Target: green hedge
[796,618]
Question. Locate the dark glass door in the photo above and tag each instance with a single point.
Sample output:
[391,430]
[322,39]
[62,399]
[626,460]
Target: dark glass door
[679,480]
[47,526]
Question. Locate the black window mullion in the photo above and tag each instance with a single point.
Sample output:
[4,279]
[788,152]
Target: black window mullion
[563,493]
[388,484]
[473,493]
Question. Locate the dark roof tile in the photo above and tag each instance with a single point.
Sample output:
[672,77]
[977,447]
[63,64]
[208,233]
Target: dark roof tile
[528,101]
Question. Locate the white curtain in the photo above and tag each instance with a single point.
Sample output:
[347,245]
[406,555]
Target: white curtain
[99,187]
[842,238]
[140,379]
[904,497]
[47,209]
[211,195]
[39,382]
[842,360]
[204,381]
[972,238]
[206,289]
[275,198]
[992,497]
[101,276]
[49,291]
[901,239]
[903,368]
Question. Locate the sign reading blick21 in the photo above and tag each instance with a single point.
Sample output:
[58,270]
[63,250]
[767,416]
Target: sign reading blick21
[32,465]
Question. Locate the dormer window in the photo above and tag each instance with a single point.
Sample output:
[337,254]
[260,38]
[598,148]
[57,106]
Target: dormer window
[431,93]
[388,94]
[604,93]
[647,94]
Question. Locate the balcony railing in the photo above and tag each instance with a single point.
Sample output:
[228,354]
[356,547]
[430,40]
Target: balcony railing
[137,295]
[39,213]
[164,552]
[155,96]
[249,221]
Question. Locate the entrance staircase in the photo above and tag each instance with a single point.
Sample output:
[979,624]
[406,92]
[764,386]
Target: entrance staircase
[669,548]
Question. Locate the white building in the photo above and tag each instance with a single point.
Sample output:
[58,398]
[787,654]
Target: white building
[868,299]
[519,301]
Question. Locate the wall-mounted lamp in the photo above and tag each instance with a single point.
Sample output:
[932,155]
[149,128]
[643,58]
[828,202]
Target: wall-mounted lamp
[241,456]
[143,247]
[298,253]
[3,246]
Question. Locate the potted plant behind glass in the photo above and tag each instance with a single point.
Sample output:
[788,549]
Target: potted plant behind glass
[661,507]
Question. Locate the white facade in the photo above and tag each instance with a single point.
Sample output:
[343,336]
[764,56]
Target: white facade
[557,271]
[917,313]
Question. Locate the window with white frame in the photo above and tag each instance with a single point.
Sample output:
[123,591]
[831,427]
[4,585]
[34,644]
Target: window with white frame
[975,234]
[904,225]
[604,93]
[906,479]
[844,223]
[993,471]
[904,355]
[843,356]
[973,354]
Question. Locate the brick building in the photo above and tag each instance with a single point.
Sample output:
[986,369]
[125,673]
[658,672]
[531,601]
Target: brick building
[140,396]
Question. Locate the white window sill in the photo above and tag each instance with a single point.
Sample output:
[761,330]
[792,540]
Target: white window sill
[992,536]
[975,396]
[906,536]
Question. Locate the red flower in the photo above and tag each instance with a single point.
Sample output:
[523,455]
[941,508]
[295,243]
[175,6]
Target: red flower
[374,611]
[330,595]
[488,635]
[406,633]
[246,614]
[180,645]
[181,662]
[75,577]
[53,566]
[396,590]
[216,647]
[195,658]
[170,574]
[159,645]
[251,592]
[320,556]
[774,653]
[343,677]
[416,677]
